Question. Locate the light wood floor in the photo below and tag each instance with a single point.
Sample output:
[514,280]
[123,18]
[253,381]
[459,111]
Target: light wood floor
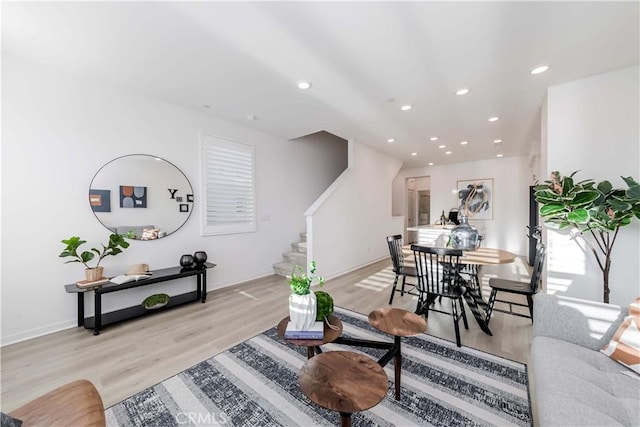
[127,358]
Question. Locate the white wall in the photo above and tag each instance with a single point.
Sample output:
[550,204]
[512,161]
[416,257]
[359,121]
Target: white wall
[348,224]
[511,181]
[59,129]
[593,126]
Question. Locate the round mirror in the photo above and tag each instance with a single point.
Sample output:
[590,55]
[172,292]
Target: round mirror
[140,196]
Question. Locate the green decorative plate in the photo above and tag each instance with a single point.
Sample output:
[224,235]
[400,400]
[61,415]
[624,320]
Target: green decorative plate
[153,302]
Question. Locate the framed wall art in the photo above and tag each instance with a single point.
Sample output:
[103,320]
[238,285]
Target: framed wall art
[133,197]
[100,200]
[475,198]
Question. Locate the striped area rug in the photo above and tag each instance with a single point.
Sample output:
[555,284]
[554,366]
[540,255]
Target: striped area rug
[256,384]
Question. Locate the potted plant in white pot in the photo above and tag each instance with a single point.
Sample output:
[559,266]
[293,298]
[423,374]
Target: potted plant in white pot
[302,301]
[116,244]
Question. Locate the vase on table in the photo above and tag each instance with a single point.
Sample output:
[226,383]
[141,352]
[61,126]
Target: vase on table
[93,274]
[464,236]
[200,257]
[302,310]
[186,260]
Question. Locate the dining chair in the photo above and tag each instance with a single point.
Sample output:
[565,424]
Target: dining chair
[439,276]
[529,289]
[399,267]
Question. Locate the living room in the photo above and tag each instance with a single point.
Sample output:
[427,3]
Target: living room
[67,112]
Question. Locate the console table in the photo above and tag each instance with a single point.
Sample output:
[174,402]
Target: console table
[162,275]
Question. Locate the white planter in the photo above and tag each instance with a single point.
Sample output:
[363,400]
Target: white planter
[302,310]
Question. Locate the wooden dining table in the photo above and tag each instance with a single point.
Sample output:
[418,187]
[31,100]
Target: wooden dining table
[473,295]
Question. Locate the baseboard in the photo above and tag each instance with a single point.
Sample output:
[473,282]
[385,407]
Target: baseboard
[37,332]
[221,285]
[333,276]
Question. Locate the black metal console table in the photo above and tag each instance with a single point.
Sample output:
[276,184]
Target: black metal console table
[162,275]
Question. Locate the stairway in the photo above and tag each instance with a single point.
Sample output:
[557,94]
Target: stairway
[297,256]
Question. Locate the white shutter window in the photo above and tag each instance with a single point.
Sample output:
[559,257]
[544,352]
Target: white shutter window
[228,184]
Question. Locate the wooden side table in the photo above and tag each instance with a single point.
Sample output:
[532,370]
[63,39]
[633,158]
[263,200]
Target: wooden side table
[343,381]
[313,346]
[399,323]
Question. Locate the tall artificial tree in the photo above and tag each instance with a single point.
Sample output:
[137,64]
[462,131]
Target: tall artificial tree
[596,211]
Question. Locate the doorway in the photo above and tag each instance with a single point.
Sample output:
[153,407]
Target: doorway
[418,193]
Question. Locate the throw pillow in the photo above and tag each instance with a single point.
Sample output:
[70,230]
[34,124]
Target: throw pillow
[624,347]
[7,421]
[149,234]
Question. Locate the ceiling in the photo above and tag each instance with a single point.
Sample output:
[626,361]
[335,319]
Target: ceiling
[364,59]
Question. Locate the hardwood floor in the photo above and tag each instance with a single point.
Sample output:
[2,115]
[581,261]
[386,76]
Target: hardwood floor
[127,358]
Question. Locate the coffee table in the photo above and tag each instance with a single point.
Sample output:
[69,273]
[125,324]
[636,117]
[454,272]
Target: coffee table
[399,323]
[313,346]
[343,381]
[396,322]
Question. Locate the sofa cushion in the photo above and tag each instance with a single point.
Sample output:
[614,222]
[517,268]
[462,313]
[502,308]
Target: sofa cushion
[624,347]
[576,386]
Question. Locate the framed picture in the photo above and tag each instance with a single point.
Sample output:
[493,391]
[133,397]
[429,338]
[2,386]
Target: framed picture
[475,198]
[100,200]
[133,197]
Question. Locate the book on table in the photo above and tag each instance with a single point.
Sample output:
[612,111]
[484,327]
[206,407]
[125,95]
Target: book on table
[315,332]
[126,278]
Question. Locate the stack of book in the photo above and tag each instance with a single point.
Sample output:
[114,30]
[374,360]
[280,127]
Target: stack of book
[315,332]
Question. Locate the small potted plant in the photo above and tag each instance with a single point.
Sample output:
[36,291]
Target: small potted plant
[302,301]
[116,244]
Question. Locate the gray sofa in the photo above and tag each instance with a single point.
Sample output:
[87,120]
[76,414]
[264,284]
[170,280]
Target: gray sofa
[573,383]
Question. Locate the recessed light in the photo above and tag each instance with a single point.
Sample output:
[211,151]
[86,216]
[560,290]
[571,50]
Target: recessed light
[414,154]
[497,141]
[434,138]
[251,117]
[447,152]
[462,91]
[499,155]
[391,140]
[441,146]
[464,142]
[539,70]
[405,107]
[430,163]
[494,119]
[303,84]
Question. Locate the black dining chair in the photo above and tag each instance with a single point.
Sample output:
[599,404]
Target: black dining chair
[528,289]
[399,267]
[439,276]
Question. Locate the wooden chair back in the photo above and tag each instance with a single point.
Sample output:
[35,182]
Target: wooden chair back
[438,270]
[395,250]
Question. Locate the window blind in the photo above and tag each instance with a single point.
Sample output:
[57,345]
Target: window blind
[228,177]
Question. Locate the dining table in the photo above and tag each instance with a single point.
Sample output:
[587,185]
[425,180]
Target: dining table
[473,294]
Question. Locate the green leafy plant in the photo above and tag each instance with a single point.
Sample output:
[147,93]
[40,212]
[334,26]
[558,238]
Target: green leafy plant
[300,282]
[115,245]
[596,210]
[324,304]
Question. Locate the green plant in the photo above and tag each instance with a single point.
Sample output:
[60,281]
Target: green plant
[72,244]
[324,305]
[597,210]
[299,280]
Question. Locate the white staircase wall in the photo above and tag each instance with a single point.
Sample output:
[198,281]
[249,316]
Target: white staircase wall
[347,225]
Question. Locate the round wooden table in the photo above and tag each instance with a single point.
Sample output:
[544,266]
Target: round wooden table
[399,323]
[343,381]
[313,346]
